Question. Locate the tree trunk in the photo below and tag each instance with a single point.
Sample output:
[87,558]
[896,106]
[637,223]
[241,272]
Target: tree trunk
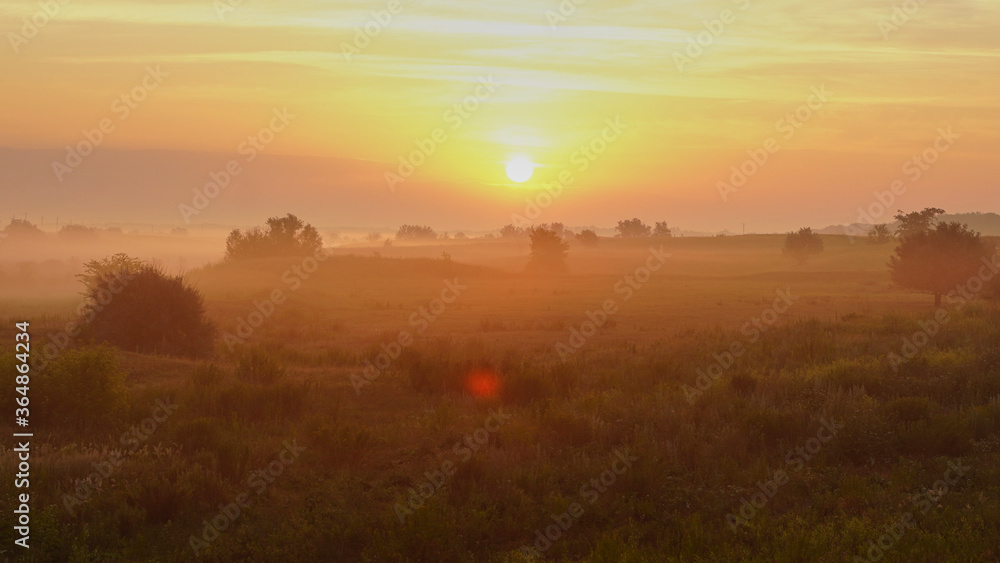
[937,299]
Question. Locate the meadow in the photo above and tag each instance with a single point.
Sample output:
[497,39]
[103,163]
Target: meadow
[685,399]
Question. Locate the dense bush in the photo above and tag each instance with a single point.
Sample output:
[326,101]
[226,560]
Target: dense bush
[548,250]
[138,308]
[802,244]
[281,236]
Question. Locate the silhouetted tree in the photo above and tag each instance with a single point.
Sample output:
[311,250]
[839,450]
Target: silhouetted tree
[281,236]
[938,259]
[662,230]
[633,228]
[77,232]
[512,231]
[548,250]
[135,306]
[802,244]
[880,234]
[587,237]
[22,229]
[917,221]
[415,232]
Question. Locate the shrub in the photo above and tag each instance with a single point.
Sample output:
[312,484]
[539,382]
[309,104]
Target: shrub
[802,244]
[415,232]
[137,307]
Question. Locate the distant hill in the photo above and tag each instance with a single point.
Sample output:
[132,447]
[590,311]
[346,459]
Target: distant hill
[986,223]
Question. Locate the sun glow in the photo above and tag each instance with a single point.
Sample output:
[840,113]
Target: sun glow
[520,169]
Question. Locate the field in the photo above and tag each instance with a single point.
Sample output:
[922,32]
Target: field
[686,399]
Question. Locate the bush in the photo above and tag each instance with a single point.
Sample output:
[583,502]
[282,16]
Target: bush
[282,236]
[802,244]
[415,232]
[548,250]
[588,237]
[83,390]
[137,307]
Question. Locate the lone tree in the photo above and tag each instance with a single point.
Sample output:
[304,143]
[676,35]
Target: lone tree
[802,244]
[415,232]
[633,228]
[938,258]
[880,234]
[662,230]
[281,236]
[135,306]
[588,237]
[917,221]
[548,250]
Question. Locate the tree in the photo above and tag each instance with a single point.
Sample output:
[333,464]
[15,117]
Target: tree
[137,307]
[587,237]
[662,230]
[415,232]
[802,244]
[548,250]
[559,228]
[21,228]
[917,221]
[77,232]
[511,231]
[938,259]
[880,234]
[281,236]
[633,228]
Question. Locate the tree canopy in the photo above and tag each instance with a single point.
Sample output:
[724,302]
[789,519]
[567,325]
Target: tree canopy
[802,244]
[937,258]
[281,236]
[548,250]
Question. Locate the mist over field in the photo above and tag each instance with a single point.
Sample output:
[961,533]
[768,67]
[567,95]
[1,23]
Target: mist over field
[391,281]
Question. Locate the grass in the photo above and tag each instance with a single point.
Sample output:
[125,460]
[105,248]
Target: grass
[698,458]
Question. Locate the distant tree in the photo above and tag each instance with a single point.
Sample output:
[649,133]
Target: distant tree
[802,244]
[415,232]
[138,308]
[880,234]
[511,231]
[77,232]
[373,236]
[548,250]
[587,237]
[916,221]
[662,230]
[460,236]
[558,228]
[22,229]
[281,236]
[938,259]
[633,228]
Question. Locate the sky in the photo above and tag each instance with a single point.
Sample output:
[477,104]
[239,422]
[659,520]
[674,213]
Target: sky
[709,115]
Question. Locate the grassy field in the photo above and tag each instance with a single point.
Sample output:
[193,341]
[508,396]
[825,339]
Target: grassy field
[435,403]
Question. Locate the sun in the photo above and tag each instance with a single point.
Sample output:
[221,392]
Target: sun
[520,169]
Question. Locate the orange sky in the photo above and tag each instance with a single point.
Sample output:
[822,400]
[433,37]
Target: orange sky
[543,92]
